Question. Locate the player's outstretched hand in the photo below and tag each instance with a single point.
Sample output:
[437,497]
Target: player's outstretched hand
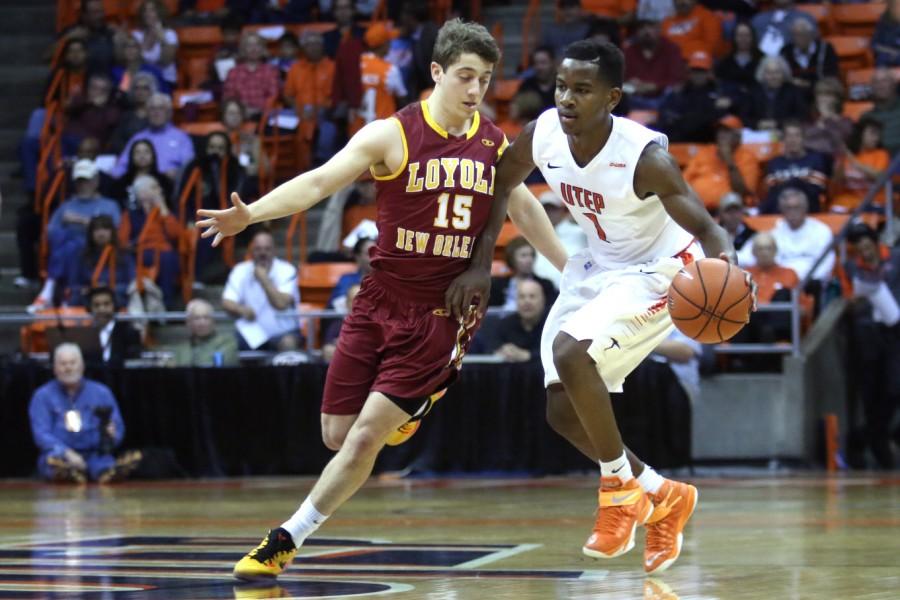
[223,223]
[470,284]
[747,277]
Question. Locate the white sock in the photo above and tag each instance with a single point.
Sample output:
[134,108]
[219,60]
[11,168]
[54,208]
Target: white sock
[304,522]
[650,480]
[46,292]
[617,468]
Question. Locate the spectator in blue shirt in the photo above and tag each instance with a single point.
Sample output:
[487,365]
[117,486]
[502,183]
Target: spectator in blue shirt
[799,168]
[361,256]
[75,422]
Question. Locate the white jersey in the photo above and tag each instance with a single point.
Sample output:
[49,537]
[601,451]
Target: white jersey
[622,229]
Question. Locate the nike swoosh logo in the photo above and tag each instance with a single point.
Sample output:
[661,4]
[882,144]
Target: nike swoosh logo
[620,468]
[549,166]
[623,498]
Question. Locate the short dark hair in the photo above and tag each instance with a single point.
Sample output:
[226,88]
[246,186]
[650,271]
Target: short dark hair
[609,59]
[548,50]
[855,141]
[458,37]
[100,290]
[795,123]
[860,230]
[512,247]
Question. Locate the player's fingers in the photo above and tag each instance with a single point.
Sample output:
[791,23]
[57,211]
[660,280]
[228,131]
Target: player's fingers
[209,232]
[450,299]
[219,238]
[482,305]
[212,214]
[236,200]
[207,223]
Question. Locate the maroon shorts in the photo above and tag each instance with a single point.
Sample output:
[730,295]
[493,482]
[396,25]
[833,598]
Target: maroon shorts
[401,349]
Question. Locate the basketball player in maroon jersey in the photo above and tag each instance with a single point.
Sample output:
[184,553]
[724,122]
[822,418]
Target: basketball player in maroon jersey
[434,165]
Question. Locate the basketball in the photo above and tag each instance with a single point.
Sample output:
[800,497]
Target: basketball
[709,300]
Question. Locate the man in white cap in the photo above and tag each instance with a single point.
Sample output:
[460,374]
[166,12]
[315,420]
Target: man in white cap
[569,233]
[67,227]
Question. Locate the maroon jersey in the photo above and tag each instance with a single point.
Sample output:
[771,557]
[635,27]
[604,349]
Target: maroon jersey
[435,205]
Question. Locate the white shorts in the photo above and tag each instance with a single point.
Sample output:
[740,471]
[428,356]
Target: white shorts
[623,312]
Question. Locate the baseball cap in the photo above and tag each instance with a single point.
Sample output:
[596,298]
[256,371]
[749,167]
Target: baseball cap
[731,122]
[84,169]
[700,60]
[378,34]
[550,198]
[730,200]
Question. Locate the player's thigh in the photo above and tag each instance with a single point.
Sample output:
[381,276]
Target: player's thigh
[380,417]
[353,367]
[624,322]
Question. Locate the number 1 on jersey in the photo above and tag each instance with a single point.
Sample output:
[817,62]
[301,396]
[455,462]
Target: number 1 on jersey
[596,221]
[462,211]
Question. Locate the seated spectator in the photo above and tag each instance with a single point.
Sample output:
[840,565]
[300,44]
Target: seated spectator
[773,26]
[421,32]
[799,240]
[605,30]
[520,260]
[872,280]
[737,71]
[134,119]
[131,62]
[887,108]
[346,46]
[652,65]
[253,81]
[97,36]
[119,340]
[93,113]
[288,53]
[830,130]
[572,26]
[174,148]
[774,284]
[886,37]
[774,98]
[141,161]
[382,83]
[205,348]
[797,168]
[570,234]
[858,169]
[262,294]
[682,354]
[361,256]
[89,149]
[308,91]
[731,218]
[810,58]
[329,341]
[543,79]
[203,11]
[225,55]
[518,336]
[523,108]
[153,232]
[84,271]
[158,43]
[67,228]
[725,167]
[77,425]
[331,227]
[694,28]
[245,143]
[692,110]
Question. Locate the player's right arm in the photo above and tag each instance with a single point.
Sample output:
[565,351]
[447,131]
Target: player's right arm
[377,144]
[515,165]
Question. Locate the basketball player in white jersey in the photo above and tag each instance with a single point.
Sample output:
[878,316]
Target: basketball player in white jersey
[643,223]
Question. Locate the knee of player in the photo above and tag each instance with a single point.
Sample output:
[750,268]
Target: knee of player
[560,413]
[569,354]
[363,441]
[333,440]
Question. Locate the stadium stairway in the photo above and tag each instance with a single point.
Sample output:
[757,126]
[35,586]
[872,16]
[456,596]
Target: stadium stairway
[26,33]
[511,17]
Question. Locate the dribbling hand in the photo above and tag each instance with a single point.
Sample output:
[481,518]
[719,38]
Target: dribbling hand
[224,223]
[747,277]
[464,289]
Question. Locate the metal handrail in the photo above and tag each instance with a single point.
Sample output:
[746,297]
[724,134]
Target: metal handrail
[884,181]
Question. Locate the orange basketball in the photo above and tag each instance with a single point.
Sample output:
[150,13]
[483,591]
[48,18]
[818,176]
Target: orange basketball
[709,300]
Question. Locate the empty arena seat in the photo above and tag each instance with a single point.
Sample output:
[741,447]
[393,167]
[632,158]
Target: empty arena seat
[316,280]
[857,19]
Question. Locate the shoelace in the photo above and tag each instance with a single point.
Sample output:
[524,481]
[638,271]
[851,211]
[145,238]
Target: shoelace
[610,518]
[660,535]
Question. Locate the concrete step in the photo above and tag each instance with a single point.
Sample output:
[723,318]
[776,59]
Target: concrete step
[27,47]
[9,143]
[36,17]
[23,89]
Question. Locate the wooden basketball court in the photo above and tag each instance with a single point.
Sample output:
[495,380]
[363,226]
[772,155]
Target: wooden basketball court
[447,539]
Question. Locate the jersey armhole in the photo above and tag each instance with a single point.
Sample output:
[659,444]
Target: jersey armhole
[403,162]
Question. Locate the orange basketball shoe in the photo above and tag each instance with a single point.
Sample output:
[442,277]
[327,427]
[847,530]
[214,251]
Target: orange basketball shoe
[406,431]
[622,507]
[673,504]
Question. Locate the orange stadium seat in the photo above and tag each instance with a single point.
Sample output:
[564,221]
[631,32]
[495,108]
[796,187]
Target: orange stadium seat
[857,19]
[507,233]
[199,41]
[644,117]
[202,129]
[683,153]
[853,51]
[854,110]
[318,279]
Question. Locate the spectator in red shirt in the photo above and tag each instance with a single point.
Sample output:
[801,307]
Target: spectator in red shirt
[652,65]
[253,82]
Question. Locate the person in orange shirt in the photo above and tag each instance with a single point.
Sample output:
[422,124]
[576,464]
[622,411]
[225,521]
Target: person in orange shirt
[153,229]
[381,80]
[725,167]
[307,90]
[855,172]
[693,28]
[774,283]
